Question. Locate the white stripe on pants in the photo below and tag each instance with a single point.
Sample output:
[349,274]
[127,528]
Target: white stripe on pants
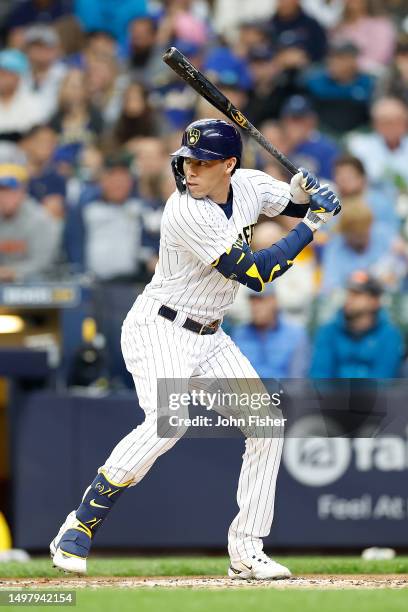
[153,348]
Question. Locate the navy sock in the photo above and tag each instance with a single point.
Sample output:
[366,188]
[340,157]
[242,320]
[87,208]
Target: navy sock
[94,508]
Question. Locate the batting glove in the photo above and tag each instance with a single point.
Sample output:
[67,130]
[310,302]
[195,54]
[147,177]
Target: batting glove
[302,186]
[323,205]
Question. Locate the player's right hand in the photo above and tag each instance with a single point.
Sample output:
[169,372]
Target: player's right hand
[323,205]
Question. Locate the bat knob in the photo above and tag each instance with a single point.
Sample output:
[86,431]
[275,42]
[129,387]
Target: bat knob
[168,53]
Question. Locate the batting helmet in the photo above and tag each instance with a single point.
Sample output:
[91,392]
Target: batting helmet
[206,139]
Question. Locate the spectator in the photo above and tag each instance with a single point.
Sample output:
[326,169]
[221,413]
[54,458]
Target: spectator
[384,151]
[154,206]
[394,82]
[251,35]
[327,12]
[291,22]
[96,44]
[261,104]
[150,163]
[65,159]
[107,231]
[228,14]
[231,74]
[276,347]
[114,18]
[373,35]
[292,56]
[359,245]
[19,110]
[277,75]
[29,238]
[46,72]
[181,22]
[106,85]
[341,94]
[77,122]
[71,36]
[175,99]
[45,184]
[143,47]
[232,15]
[225,67]
[307,146]
[361,341]
[137,118]
[352,184]
[100,43]
[274,132]
[84,186]
[27,12]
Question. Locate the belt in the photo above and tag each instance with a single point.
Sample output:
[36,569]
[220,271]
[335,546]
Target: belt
[190,324]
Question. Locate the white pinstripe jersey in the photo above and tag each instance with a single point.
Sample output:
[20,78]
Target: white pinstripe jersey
[194,233]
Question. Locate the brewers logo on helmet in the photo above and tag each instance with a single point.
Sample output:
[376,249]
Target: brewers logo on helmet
[206,139]
[193,135]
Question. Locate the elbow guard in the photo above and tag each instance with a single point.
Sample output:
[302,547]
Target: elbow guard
[252,269]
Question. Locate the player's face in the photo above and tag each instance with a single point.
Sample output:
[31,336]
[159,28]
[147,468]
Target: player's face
[207,178]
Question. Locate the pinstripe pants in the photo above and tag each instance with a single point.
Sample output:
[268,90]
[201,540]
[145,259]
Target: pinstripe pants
[154,348]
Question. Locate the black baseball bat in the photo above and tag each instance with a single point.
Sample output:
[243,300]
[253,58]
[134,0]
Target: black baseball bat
[189,73]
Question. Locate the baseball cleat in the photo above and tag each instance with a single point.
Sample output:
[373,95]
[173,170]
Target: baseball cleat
[70,547]
[69,563]
[69,522]
[258,567]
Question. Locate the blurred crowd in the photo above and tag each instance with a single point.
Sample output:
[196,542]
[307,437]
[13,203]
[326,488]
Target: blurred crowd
[89,114]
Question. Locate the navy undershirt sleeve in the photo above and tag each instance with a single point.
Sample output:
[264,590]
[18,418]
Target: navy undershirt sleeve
[283,251]
[295,210]
[255,269]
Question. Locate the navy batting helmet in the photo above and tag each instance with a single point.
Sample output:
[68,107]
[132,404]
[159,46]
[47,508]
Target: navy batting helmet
[206,139]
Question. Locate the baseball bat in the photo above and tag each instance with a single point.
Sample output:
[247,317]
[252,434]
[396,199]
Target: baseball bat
[189,73]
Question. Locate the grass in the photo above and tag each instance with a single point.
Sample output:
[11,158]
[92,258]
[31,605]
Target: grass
[261,600]
[206,566]
[202,600]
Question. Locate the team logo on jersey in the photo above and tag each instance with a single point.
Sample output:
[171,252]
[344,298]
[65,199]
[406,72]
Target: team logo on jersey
[193,136]
[247,233]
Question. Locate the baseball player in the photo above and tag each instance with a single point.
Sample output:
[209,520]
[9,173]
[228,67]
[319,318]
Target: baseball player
[173,329]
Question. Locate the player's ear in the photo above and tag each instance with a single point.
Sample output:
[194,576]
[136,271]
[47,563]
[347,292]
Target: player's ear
[230,164]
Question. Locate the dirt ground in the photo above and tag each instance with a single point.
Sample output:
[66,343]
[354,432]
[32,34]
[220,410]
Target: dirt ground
[315,581]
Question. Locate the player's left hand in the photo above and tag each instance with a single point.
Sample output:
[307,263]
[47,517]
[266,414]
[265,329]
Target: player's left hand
[302,186]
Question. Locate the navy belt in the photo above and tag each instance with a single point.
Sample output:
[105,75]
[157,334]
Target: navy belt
[190,324]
